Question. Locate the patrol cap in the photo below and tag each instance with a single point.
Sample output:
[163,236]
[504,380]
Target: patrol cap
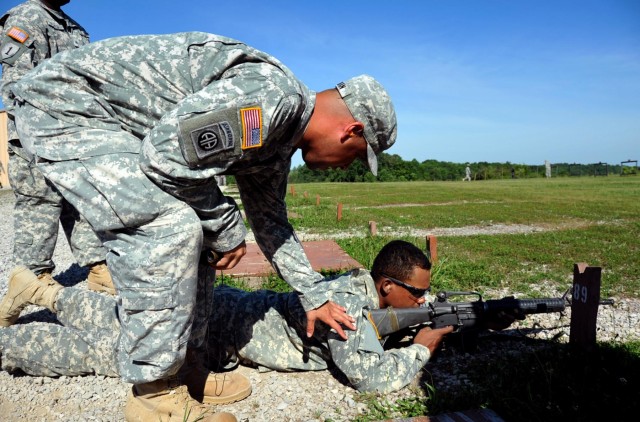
[370,104]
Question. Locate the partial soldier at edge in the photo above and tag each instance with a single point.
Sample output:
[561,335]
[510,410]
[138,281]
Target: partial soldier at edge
[33,32]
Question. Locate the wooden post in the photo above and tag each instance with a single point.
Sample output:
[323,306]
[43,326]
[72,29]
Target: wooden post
[306,194]
[317,200]
[293,190]
[432,248]
[584,306]
[339,211]
[372,228]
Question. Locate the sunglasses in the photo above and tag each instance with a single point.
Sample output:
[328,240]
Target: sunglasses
[411,289]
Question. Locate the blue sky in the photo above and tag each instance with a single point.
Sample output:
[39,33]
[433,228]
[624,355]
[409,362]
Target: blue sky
[494,80]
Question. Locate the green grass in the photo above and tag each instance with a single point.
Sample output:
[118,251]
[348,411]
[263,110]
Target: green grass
[585,219]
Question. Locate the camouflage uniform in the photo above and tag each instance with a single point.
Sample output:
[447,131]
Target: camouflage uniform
[133,131]
[39,206]
[261,328]
[268,329]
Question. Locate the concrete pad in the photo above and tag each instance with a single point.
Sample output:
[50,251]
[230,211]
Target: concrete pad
[323,255]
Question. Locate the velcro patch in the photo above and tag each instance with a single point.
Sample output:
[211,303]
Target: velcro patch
[18,34]
[251,120]
[10,50]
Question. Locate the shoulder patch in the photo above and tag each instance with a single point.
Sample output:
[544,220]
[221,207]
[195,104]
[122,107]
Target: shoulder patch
[208,136]
[12,45]
[18,34]
[251,120]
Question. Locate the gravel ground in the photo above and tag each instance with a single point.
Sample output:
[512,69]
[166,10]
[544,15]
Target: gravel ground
[310,396]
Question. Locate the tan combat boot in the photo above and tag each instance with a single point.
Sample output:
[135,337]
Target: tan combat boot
[99,279]
[216,388]
[47,278]
[166,401]
[26,288]
[210,387]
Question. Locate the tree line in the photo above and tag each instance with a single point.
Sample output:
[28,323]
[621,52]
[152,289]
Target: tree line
[392,168]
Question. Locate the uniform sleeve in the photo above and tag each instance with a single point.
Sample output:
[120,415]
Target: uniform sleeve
[369,367]
[263,196]
[19,57]
[232,126]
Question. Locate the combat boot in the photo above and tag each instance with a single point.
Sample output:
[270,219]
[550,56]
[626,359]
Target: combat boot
[216,388]
[99,279]
[26,288]
[210,387]
[47,278]
[168,401]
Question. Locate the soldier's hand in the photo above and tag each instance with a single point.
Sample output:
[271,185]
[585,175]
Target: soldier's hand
[230,258]
[431,338]
[333,315]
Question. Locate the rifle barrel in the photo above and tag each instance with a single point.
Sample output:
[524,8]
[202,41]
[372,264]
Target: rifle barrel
[527,306]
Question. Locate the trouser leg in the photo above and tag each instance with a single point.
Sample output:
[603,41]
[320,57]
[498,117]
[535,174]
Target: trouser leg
[85,245]
[153,242]
[36,213]
[38,210]
[155,271]
[85,345]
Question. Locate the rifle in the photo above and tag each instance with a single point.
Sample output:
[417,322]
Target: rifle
[463,316]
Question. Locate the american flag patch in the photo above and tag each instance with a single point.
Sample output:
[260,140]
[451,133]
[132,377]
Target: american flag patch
[251,119]
[18,34]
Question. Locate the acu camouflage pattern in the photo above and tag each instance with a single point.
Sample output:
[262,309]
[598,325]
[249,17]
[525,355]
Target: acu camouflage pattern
[50,32]
[107,122]
[268,329]
[84,345]
[39,208]
[87,341]
[263,328]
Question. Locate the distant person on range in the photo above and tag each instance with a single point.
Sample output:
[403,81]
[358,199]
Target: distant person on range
[31,33]
[261,328]
[467,174]
[134,130]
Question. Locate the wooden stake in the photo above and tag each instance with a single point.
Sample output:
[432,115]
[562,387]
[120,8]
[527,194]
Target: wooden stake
[372,228]
[317,200]
[432,248]
[339,211]
[584,306]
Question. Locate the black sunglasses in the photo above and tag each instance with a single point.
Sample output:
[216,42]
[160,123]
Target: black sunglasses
[411,289]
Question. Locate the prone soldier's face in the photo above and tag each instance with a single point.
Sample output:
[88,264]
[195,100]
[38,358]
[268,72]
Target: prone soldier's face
[409,293]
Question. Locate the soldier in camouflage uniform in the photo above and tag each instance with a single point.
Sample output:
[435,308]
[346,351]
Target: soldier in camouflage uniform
[260,328]
[31,33]
[133,131]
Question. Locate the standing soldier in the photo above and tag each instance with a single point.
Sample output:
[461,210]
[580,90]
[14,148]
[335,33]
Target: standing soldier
[133,130]
[33,32]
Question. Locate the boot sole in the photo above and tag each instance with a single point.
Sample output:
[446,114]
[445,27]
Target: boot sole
[100,288]
[135,411]
[241,395]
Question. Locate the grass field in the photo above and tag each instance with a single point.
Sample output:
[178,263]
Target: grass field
[565,221]
[582,219]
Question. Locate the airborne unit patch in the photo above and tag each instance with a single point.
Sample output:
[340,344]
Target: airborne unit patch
[251,119]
